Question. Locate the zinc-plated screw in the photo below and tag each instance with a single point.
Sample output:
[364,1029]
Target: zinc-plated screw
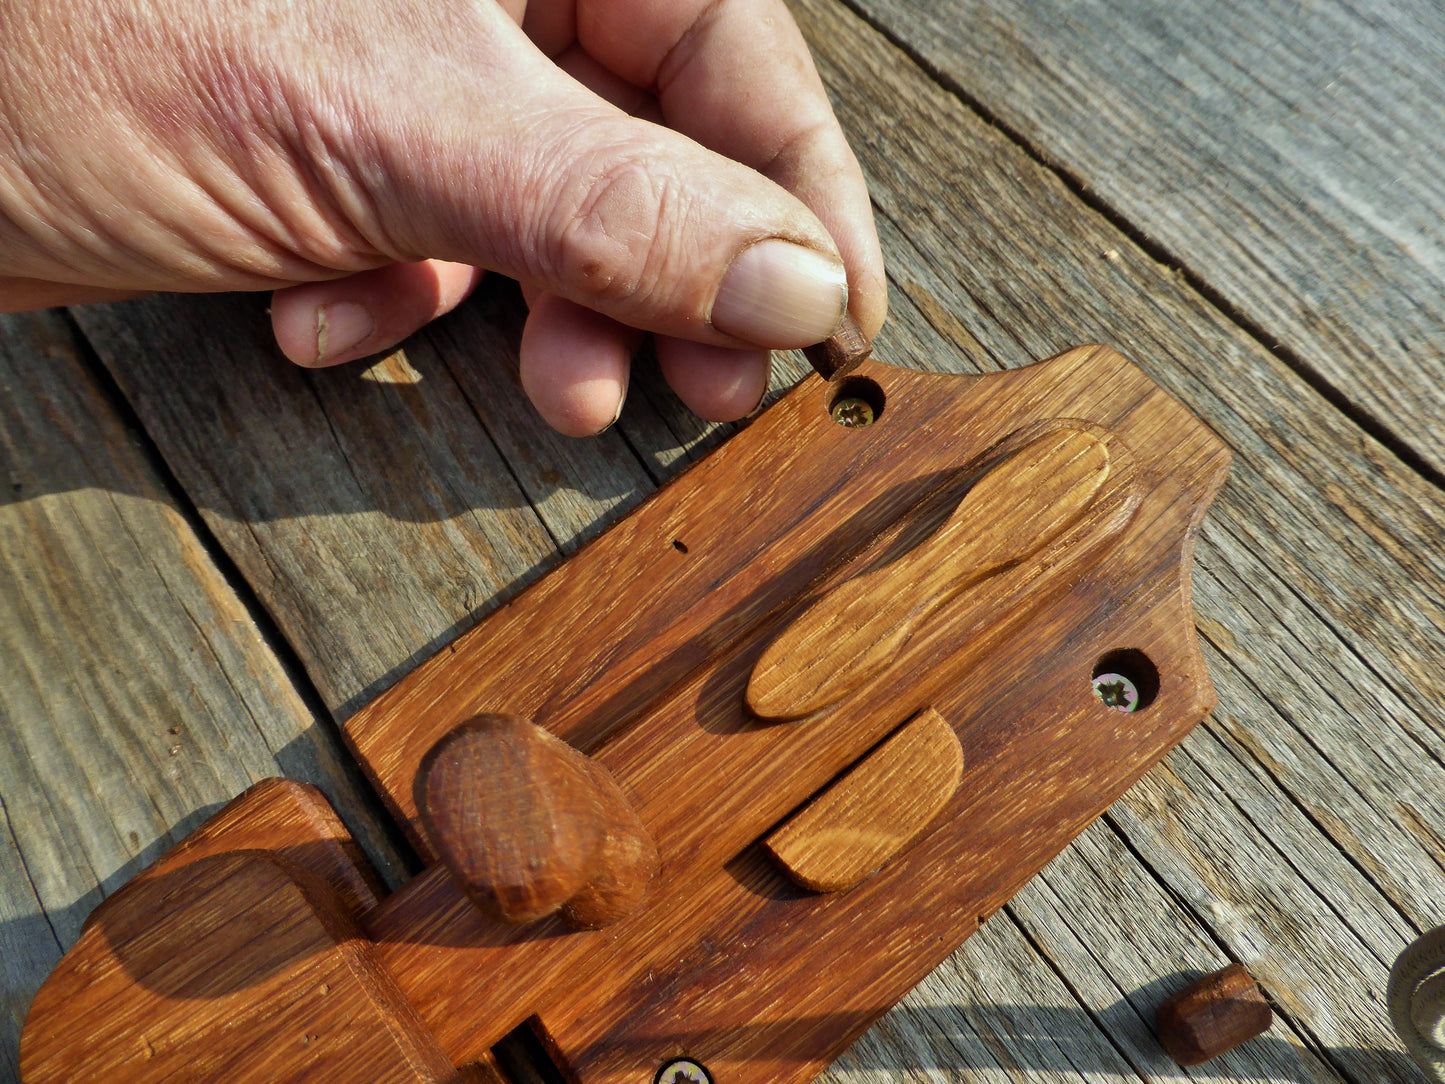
[852,412]
[683,1071]
[1117,692]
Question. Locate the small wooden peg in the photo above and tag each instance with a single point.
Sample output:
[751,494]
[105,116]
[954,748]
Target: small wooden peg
[1213,1016]
[840,353]
[873,813]
[530,827]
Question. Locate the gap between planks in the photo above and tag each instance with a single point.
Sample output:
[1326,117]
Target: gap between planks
[1376,427]
[281,648]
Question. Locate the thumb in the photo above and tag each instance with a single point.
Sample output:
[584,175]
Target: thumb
[553,186]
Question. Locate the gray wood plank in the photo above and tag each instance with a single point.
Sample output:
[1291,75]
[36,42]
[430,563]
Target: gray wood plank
[137,695]
[997,1009]
[418,491]
[367,505]
[1121,968]
[1283,153]
[29,947]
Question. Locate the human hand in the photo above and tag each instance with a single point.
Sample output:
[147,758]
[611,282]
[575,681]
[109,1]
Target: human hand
[367,161]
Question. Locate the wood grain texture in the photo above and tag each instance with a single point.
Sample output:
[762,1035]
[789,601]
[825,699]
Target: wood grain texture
[1281,153]
[1318,577]
[709,781]
[840,353]
[237,955]
[1356,655]
[1011,514]
[530,827]
[708,786]
[136,693]
[874,812]
[416,492]
[151,993]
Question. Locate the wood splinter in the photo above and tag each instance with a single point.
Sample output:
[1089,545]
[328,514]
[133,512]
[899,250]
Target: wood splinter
[1213,1016]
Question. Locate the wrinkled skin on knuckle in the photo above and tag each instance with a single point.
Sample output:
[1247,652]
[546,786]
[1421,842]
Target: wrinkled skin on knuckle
[622,240]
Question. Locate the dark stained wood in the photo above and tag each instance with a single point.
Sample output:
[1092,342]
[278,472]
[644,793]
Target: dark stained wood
[1213,1015]
[1012,514]
[530,827]
[237,957]
[708,781]
[1288,540]
[840,353]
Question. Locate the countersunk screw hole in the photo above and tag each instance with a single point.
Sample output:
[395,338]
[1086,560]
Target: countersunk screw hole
[857,402]
[1125,680]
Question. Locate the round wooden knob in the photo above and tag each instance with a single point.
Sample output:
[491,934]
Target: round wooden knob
[1416,996]
[530,827]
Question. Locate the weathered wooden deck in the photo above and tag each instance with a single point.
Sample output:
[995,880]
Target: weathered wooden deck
[210,558]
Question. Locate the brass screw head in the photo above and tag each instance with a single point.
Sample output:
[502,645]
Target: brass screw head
[683,1071]
[1117,692]
[852,413]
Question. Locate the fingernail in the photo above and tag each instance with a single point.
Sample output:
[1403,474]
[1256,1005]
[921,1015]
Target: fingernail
[617,414]
[758,406]
[781,295]
[341,326]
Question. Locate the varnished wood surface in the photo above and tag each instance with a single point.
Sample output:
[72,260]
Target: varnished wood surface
[1010,517]
[873,812]
[723,955]
[365,519]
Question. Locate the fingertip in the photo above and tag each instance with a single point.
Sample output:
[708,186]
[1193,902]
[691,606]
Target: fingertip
[868,302]
[714,382]
[574,365]
[328,323]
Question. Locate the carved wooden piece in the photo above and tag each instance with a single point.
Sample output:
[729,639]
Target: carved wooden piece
[638,652]
[853,632]
[874,812]
[1212,1016]
[529,826]
[236,957]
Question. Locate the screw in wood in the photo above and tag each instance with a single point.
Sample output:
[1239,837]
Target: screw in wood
[852,413]
[683,1071]
[1117,692]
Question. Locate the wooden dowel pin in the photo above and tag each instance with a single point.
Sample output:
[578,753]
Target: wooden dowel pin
[1213,1016]
[840,353]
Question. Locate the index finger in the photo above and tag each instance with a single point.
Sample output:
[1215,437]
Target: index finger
[737,77]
